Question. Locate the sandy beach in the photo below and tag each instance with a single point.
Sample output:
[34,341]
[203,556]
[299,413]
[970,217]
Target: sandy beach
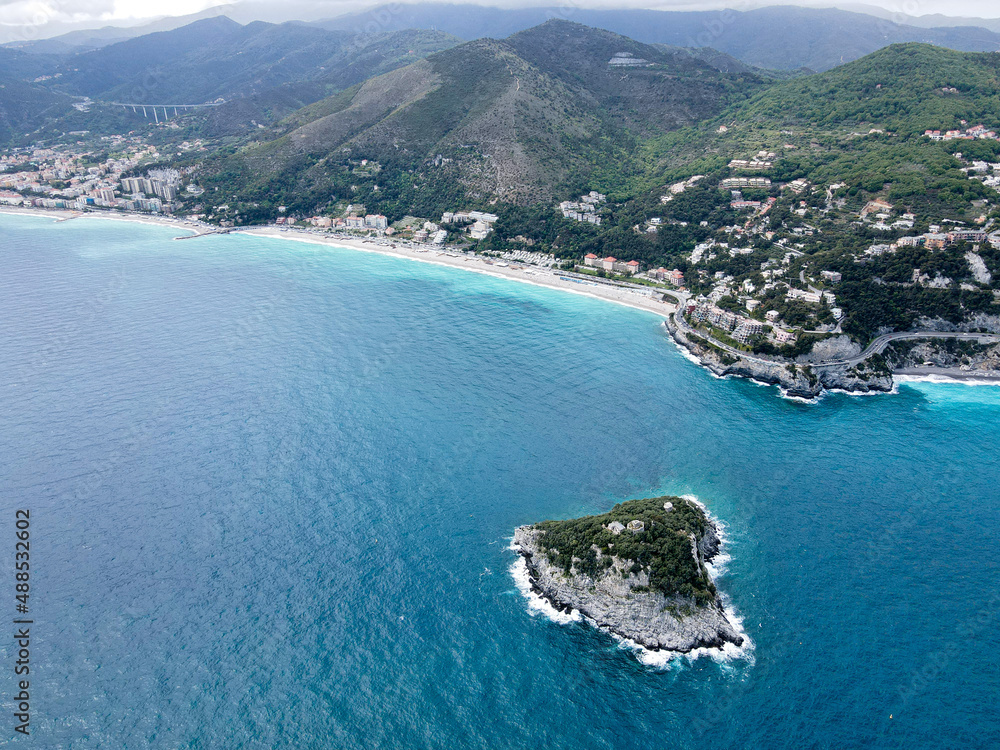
[522,273]
[65,215]
[525,274]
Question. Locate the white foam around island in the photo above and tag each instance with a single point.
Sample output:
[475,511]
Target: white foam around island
[538,605]
[658,659]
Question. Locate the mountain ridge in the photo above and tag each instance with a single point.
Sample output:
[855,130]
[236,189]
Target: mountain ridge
[776,37]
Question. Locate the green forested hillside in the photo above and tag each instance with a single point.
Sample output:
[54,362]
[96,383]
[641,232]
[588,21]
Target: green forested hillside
[662,549]
[519,120]
[904,88]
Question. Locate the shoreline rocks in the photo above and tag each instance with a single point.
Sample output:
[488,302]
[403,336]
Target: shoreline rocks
[800,380]
[618,595]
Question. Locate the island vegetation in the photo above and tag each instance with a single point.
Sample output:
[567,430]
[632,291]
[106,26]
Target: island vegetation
[662,549]
[638,571]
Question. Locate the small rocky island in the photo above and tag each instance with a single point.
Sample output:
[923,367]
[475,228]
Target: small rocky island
[637,571]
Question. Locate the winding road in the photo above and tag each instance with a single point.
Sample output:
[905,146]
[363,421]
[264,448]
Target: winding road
[877,346]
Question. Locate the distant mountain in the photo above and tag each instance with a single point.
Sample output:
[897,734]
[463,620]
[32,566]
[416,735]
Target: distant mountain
[784,37]
[936,20]
[85,40]
[218,58]
[928,21]
[515,120]
[358,61]
[156,67]
[263,71]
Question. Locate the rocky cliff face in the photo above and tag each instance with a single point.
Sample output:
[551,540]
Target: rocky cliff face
[612,601]
[802,380]
[965,356]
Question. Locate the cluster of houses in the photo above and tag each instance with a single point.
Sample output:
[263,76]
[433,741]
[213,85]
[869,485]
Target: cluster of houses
[976,132]
[432,233]
[67,179]
[763,160]
[636,526]
[741,328]
[986,172]
[370,222]
[627,268]
[813,297]
[739,203]
[935,240]
[585,209]
[798,186]
[881,211]
[674,278]
[480,221]
[165,184]
[731,183]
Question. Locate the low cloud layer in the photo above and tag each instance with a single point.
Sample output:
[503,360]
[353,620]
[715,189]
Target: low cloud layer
[28,20]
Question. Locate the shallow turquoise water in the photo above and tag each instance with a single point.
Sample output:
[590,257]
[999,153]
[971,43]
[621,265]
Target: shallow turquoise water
[272,487]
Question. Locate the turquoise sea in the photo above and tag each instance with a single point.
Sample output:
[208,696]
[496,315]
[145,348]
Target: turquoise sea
[272,487]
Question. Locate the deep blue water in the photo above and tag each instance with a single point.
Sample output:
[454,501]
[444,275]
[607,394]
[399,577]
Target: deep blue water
[272,487]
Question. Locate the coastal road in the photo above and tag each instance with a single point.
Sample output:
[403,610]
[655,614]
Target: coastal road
[879,344]
[875,347]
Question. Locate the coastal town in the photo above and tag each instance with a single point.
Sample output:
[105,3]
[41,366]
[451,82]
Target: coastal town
[759,283]
[67,178]
[124,176]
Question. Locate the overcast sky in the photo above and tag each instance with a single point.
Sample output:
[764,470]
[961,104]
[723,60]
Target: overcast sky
[37,19]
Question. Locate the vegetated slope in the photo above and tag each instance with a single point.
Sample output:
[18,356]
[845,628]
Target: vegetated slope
[21,66]
[671,88]
[263,71]
[24,104]
[362,58]
[511,120]
[902,90]
[726,63]
[24,107]
[780,37]
[905,88]
[861,124]
[663,549]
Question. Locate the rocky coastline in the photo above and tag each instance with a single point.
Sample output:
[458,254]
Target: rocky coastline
[808,378]
[796,379]
[619,597]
